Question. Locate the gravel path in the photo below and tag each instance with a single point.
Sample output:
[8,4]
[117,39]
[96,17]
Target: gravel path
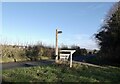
[36,63]
[88,64]
[25,64]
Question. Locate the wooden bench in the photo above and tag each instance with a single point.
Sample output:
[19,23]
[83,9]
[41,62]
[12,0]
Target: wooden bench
[65,56]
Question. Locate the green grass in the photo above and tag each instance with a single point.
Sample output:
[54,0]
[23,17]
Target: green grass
[44,58]
[62,73]
[7,59]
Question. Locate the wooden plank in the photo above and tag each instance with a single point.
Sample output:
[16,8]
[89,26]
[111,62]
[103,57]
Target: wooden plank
[64,54]
[67,50]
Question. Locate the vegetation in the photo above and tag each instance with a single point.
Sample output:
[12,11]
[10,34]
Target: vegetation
[62,73]
[14,53]
[108,36]
[79,51]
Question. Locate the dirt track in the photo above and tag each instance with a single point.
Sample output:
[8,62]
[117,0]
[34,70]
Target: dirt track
[25,64]
[36,63]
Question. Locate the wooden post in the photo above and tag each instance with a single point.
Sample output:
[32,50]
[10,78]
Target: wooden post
[70,59]
[56,48]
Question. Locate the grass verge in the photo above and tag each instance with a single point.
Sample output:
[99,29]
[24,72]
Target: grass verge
[62,73]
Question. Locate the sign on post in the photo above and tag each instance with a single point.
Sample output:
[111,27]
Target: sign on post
[56,46]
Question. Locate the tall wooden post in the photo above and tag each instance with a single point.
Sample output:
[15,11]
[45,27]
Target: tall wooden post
[56,48]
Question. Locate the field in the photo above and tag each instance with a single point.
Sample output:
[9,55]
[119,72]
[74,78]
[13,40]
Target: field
[62,73]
